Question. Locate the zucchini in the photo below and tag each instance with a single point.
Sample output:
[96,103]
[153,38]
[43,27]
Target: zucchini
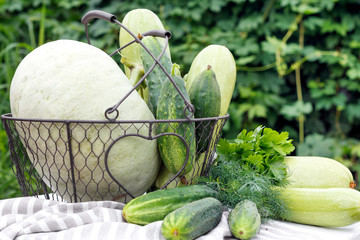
[223,64]
[154,206]
[192,220]
[138,21]
[325,207]
[244,220]
[157,76]
[205,95]
[317,172]
[172,149]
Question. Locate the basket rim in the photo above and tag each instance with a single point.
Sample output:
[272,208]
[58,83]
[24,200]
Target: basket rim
[8,116]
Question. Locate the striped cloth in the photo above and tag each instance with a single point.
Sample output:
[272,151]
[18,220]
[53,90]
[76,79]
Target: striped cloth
[30,218]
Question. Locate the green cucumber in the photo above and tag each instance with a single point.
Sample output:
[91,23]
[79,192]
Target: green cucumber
[172,149]
[154,206]
[157,76]
[205,95]
[222,62]
[192,220]
[244,220]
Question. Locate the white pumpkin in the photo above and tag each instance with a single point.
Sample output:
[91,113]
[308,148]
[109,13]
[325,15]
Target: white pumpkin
[71,80]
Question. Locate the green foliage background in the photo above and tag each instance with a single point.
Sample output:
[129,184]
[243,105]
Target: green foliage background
[298,61]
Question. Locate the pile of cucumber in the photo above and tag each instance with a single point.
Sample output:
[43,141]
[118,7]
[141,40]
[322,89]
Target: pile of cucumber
[320,190]
[205,91]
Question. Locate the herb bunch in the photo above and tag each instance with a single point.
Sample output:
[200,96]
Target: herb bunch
[250,167]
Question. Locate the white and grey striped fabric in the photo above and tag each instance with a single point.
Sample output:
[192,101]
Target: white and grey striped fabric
[30,218]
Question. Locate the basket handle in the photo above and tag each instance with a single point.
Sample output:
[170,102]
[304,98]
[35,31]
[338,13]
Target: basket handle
[96,14]
[156,33]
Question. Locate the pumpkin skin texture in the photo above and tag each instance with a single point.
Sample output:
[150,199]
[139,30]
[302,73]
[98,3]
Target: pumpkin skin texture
[71,80]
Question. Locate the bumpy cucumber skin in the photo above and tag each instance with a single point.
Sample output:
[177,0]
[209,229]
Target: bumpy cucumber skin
[192,220]
[205,95]
[154,206]
[157,76]
[171,148]
[317,172]
[244,220]
[325,207]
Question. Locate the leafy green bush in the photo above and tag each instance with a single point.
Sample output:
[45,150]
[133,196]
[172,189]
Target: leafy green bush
[298,60]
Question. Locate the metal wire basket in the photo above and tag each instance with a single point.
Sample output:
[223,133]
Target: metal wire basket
[71,160]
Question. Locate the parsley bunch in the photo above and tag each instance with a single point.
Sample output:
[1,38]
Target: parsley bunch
[262,151]
[249,167]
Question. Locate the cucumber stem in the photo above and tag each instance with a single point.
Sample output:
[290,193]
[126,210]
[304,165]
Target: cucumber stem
[175,70]
[127,63]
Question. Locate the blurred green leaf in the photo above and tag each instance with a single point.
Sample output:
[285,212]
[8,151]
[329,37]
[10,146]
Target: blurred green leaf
[316,145]
[295,110]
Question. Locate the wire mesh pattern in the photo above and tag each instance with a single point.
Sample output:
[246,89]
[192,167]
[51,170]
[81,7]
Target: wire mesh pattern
[73,158]
[85,160]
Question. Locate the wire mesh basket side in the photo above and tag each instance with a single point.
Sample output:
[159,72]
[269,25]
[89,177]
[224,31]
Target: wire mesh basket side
[76,161]
[80,161]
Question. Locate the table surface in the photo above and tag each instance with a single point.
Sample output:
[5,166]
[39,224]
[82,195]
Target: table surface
[37,218]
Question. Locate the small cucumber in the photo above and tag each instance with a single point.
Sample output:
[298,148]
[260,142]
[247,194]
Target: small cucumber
[172,149]
[317,172]
[325,207]
[157,76]
[154,206]
[223,63]
[205,95]
[192,220]
[244,220]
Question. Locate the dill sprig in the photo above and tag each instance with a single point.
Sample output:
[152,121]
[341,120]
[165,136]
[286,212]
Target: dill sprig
[250,167]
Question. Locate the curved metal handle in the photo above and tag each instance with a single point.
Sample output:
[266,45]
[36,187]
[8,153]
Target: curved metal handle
[96,14]
[157,33]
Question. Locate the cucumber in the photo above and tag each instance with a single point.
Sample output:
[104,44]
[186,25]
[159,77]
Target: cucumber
[325,207]
[157,76]
[317,172]
[244,220]
[154,206]
[171,148]
[192,220]
[190,178]
[223,64]
[205,95]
